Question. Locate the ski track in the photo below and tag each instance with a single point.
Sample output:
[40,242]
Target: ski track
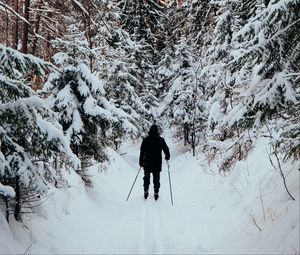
[158,236]
[150,237]
[143,234]
[152,232]
[157,217]
[150,241]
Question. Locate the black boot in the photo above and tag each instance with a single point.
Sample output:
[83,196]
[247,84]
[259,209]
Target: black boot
[146,193]
[156,196]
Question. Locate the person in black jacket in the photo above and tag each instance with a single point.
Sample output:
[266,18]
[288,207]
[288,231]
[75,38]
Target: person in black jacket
[151,159]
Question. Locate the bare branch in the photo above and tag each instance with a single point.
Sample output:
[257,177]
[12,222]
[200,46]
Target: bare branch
[252,216]
[262,203]
[279,166]
[13,12]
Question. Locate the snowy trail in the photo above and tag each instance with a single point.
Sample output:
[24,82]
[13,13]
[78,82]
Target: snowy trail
[150,230]
[150,240]
[208,216]
[101,221]
[160,219]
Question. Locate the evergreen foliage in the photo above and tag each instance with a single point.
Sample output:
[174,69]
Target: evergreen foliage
[143,20]
[129,69]
[124,71]
[30,136]
[88,118]
[228,67]
[261,60]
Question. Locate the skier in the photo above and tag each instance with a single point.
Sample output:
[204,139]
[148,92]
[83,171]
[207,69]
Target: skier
[151,159]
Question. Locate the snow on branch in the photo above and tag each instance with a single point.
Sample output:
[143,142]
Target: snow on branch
[7,191]
[5,6]
[26,62]
[84,10]
[80,6]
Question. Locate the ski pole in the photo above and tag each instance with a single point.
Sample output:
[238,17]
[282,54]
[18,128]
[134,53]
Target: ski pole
[170,182]
[133,184]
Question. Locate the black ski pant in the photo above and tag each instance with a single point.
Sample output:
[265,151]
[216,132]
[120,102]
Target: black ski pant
[156,180]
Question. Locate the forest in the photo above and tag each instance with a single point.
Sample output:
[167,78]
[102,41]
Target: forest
[80,76]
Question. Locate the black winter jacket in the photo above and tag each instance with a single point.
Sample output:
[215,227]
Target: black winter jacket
[150,153]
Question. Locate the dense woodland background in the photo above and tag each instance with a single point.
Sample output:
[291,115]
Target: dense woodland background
[78,76]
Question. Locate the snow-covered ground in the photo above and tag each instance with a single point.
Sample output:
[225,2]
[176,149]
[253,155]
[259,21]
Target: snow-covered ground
[247,211]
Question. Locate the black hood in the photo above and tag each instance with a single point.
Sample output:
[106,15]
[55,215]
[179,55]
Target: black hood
[153,131]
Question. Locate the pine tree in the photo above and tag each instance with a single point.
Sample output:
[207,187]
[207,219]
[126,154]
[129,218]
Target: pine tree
[127,63]
[126,77]
[151,25]
[198,18]
[30,137]
[142,19]
[182,102]
[265,49]
[89,120]
[251,64]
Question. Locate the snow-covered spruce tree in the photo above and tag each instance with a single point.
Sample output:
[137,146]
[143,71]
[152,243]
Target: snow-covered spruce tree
[199,16]
[256,82]
[143,20]
[89,120]
[174,23]
[220,45]
[265,60]
[30,137]
[119,61]
[126,78]
[183,104]
[152,27]
[126,65]
[214,75]
[178,73]
[93,18]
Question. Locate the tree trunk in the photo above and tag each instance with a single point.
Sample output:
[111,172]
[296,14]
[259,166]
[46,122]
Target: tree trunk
[18,199]
[6,209]
[186,133]
[6,204]
[7,29]
[89,35]
[25,27]
[267,2]
[16,26]
[48,39]
[36,28]
[193,142]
